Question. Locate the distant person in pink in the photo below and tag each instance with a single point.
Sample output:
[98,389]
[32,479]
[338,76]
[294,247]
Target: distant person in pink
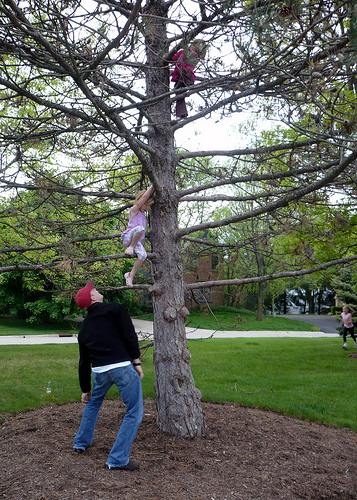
[347,325]
[183,75]
[134,235]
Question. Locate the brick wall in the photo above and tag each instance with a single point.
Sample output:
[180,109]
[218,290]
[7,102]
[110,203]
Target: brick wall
[205,268]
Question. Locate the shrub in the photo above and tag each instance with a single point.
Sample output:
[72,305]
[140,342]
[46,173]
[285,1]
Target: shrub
[49,310]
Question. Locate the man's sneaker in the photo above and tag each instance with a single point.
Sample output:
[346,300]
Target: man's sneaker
[79,450]
[131,465]
[345,345]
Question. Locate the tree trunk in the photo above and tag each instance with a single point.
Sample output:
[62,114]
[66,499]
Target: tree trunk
[237,297]
[261,286]
[261,292]
[178,401]
[310,300]
[285,304]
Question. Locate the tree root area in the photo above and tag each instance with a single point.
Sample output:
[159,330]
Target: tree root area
[245,454]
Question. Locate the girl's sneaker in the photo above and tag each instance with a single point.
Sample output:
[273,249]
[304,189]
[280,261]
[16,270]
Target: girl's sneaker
[345,345]
[356,345]
[129,281]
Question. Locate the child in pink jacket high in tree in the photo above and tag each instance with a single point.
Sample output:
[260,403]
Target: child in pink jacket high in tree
[183,75]
[133,236]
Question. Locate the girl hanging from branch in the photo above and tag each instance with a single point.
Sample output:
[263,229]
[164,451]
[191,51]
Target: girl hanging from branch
[133,236]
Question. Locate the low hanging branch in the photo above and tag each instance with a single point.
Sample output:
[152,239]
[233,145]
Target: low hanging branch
[60,244]
[191,286]
[59,263]
[274,276]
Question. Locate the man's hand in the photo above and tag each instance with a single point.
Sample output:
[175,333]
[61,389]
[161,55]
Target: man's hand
[85,397]
[139,370]
[137,367]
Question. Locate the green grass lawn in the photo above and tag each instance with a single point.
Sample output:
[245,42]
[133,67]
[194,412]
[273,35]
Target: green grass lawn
[224,318]
[13,326]
[231,319]
[312,379]
[229,322]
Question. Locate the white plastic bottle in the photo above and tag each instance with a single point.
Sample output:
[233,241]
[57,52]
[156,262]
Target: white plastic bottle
[48,391]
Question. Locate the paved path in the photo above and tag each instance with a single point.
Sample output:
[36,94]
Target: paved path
[327,324]
[145,331]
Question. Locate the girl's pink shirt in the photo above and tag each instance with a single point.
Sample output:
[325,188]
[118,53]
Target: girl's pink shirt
[179,57]
[137,220]
[347,320]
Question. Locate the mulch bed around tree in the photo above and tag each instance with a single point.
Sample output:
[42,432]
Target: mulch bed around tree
[246,454]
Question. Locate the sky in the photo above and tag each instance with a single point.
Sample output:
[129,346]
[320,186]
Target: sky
[208,134]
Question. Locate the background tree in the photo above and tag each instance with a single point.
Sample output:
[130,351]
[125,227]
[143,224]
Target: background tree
[345,287]
[86,112]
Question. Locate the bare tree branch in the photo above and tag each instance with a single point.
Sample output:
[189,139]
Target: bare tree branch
[296,195]
[270,277]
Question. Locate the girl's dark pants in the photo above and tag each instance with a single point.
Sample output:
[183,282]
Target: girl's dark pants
[186,79]
[347,331]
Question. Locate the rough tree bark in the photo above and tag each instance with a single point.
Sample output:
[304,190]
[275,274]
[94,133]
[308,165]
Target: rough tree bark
[178,401]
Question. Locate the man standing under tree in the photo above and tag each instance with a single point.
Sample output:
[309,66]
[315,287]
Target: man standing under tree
[108,343]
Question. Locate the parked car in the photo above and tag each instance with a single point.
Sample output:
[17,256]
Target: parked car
[325,309]
[292,308]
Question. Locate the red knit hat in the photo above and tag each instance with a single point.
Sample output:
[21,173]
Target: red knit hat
[83,299]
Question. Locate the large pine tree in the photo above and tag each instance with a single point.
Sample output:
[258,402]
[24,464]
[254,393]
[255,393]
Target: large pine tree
[86,105]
